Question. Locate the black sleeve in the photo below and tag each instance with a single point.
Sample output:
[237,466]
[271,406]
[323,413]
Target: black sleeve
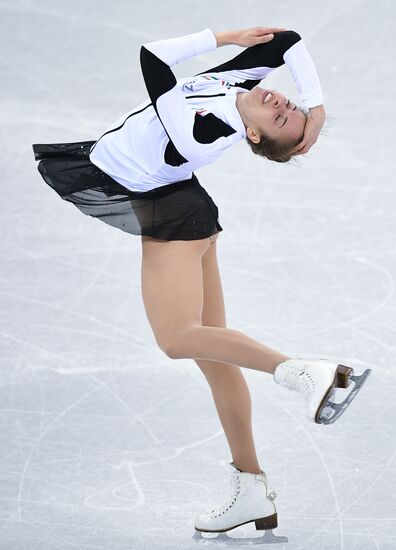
[178,119]
[255,63]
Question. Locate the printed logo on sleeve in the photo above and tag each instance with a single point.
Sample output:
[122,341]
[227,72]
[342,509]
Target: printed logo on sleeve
[222,82]
[189,85]
[194,85]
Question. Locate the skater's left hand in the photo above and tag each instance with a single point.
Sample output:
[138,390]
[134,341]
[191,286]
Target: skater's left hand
[247,37]
[313,126]
[256,35]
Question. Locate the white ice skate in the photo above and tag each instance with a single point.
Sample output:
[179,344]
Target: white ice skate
[251,500]
[317,380]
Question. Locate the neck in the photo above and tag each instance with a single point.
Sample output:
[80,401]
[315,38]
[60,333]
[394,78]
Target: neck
[240,106]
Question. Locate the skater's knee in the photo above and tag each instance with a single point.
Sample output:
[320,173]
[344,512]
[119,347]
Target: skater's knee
[176,346]
[171,349]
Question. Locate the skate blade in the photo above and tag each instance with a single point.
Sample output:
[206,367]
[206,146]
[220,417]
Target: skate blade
[330,411]
[221,538]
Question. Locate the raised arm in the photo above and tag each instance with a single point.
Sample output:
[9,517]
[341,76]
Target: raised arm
[256,62]
[177,118]
[267,49]
[249,67]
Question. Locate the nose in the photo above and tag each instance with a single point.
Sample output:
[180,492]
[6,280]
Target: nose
[279,104]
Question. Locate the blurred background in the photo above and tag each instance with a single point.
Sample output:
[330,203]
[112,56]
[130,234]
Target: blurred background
[105,442]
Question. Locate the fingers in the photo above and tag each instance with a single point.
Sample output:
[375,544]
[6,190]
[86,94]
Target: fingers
[298,148]
[302,148]
[269,30]
[266,34]
[265,38]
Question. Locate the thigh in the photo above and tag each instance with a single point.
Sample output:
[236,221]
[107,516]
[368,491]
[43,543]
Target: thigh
[213,312]
[172,286]
[219,375]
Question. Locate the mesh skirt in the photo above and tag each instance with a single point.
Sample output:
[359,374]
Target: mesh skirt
[178,211]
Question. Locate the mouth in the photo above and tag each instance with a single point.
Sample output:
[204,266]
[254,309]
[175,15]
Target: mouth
[267,96]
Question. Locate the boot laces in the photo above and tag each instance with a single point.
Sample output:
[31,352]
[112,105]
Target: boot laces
[300,380]
[235,483]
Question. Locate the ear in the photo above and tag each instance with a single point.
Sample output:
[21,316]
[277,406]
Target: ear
[253,135]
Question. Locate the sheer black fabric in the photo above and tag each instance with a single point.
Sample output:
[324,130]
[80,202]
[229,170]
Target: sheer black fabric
[178,211]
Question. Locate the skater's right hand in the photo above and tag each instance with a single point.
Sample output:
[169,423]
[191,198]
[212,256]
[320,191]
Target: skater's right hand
[247,37]
[313,126]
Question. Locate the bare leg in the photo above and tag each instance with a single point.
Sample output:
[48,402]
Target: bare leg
[229,388]
[227,345]
[172,290]
[228,385]
[232,399]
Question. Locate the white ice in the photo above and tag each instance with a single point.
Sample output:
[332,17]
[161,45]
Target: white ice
[105,442]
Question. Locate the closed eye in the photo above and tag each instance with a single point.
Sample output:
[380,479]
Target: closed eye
[280,116]
[288,103]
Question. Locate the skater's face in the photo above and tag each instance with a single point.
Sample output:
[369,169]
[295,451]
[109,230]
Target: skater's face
[270,113]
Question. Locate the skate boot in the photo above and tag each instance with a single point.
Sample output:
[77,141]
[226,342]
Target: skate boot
[317,380]
[251,500]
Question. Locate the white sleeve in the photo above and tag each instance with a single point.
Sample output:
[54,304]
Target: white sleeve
[168,100]
[303,70]
[174,50]
[257,62]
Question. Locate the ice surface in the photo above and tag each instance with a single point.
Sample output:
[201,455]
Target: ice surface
[106,442]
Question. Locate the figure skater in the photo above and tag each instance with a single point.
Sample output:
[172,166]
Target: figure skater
[139,177]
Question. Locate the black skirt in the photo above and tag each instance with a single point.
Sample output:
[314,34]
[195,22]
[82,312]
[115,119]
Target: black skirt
[178,211]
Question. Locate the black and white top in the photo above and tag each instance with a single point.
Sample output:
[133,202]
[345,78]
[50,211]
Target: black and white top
[188,122]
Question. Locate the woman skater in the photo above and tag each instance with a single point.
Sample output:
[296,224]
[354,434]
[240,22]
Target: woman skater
[139,177]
